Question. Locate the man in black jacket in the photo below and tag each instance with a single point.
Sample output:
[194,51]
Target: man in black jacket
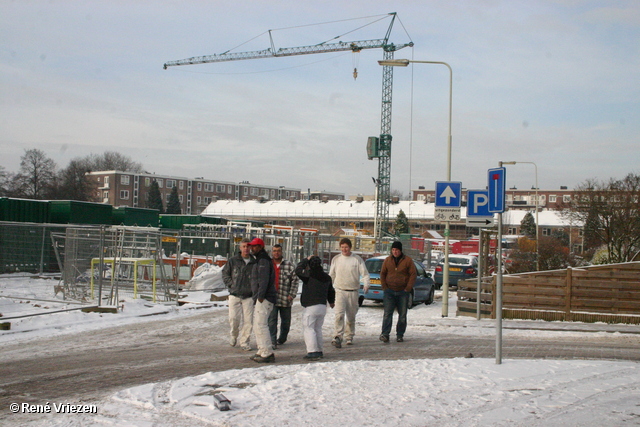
[317,290]
[236,275]
[263,279]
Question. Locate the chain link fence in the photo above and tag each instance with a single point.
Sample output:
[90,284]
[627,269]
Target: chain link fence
[103,264]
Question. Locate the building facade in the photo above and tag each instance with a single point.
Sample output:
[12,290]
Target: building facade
[132,189]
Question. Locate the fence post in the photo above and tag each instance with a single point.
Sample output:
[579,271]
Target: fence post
[568,290]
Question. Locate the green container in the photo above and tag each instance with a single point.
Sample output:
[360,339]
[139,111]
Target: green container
[206,246]
[75,212]
[212,220]
[24,210]
[141,217]
[176,222]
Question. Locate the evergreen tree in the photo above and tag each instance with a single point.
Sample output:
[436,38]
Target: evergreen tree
[401,225]
[155,198]
[173,205]
[528,225]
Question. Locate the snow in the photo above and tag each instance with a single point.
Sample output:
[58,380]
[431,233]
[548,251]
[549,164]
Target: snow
[443,392]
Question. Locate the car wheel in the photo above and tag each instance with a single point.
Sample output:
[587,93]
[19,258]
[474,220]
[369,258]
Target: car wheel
[431,296]
[410,300]
[360,301]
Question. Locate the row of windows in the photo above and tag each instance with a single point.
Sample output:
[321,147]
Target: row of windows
[208,187]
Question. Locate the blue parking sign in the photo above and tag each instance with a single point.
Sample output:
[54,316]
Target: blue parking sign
[478,203]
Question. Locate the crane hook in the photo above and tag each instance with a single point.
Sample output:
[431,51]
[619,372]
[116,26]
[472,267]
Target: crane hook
[355,73]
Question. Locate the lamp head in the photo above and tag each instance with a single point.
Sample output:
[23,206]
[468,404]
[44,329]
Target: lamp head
[394,62]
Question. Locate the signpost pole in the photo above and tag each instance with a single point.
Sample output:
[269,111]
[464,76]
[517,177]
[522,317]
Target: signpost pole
[497,184]
[479,278]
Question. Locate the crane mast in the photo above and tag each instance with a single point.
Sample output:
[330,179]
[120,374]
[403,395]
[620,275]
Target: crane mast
[383,184]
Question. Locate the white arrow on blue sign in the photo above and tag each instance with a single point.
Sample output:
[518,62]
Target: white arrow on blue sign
[497,187]
[448,194]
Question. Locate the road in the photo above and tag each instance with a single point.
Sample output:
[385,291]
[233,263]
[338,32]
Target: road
[89,366]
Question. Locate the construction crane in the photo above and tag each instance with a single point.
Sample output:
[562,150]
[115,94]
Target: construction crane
[379,148]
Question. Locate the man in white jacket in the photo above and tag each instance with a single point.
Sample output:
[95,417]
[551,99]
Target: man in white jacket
[346,270]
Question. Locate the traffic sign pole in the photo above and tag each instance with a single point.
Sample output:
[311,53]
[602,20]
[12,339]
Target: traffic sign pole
[448,195]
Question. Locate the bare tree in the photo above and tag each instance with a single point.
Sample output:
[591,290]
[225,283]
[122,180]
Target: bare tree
[610,212]
[37,172]
[111,160]
[74,184]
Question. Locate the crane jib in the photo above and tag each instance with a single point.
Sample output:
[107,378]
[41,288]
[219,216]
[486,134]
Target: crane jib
[354,46]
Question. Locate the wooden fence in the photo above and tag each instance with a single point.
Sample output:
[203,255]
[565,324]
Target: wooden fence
[604,293]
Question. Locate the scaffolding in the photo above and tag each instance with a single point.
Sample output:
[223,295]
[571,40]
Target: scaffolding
[107,263]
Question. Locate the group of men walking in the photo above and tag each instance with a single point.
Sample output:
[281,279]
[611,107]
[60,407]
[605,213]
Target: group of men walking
[262,290]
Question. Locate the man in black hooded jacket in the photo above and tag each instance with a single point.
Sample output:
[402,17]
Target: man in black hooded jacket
[317,290]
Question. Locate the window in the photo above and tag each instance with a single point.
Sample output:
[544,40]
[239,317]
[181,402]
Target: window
[246,190]
[566,198]
[105,196]
[182,185]
[160,183]
[546,231]
[421,198]
[199,186]
[106,181]
[124,194]
[220,188]
[265,192]
[125,179]
[171,183]
[180,198]
[208,187]
[286,194]
[229,189]
[273,194]
[199,200]
[147,182]
[207,200]
[254,191]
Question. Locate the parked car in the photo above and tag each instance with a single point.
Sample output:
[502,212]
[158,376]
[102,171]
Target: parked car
[461,267]
[423,289]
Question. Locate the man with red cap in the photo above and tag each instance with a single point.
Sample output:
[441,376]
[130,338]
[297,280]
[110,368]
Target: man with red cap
[263,279]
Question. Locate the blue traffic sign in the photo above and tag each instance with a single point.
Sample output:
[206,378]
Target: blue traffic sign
[478,203]
[497,186]
[448,194]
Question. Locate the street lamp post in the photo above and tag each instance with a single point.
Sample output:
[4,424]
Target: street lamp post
[536,206]
[445,273]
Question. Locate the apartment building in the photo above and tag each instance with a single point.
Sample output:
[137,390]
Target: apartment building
[132,189]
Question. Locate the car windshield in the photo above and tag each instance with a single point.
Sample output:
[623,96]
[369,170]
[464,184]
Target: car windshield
[374,265]
[459,261]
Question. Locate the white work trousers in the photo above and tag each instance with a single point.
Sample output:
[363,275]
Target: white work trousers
[346,306]
[261,314]
[312,321]
[241,313]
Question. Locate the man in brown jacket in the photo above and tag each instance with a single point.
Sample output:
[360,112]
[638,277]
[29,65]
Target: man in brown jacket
[397,277]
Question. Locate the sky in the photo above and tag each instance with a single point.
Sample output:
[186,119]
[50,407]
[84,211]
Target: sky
[416,392]
[556,83]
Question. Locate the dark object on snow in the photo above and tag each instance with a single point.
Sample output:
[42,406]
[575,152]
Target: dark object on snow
[469,356]
[221,402]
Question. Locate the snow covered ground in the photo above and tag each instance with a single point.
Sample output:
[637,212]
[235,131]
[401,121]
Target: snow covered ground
[442,392]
